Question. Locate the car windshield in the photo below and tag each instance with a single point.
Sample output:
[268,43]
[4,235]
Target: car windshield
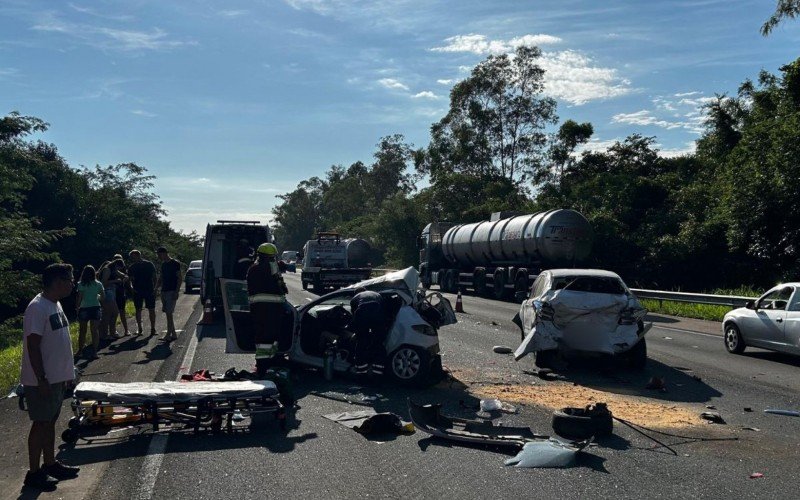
[593,284]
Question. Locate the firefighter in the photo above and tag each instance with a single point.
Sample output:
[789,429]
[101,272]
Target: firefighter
[369,324]
[267,295]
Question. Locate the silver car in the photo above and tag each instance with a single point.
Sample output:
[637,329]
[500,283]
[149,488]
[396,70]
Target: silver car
[193,275]
[770,322]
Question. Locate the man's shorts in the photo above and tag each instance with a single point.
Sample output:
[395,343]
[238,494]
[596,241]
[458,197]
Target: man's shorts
[168,300]
[148,299]
[44,409]
[90,314]
[109,294]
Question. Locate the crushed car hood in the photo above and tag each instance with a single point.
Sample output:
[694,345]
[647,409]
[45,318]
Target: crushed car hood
[582,321]
[404,281]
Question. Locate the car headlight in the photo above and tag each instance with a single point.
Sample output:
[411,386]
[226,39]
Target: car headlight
[424,329]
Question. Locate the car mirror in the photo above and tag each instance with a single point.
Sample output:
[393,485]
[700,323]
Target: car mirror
[751,304]
[521,296]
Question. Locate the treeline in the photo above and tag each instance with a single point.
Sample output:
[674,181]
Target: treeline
[50,212]
[723,217]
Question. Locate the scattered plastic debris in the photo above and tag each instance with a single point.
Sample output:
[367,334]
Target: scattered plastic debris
[496,405]
[756,475]
[748,409]
[711,407]
[237,416]
[495,323]
[754,429]
[785,413]
[502,349]
[544,454]
[713,417]
[667,338]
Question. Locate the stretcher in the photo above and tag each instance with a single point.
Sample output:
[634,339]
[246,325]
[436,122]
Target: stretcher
[185,405]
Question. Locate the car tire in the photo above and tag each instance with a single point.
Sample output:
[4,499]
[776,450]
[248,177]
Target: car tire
[409,366]
[734,343]
[637,356]
[576,424]
[544,359]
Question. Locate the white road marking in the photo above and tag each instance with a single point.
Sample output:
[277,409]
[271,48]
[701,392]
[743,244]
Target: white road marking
[687,331]
[158,444]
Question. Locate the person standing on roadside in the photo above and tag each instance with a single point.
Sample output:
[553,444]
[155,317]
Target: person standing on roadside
[169,280]
[90,292]
[142,274]
[108,326]
[46,367]
[119,293]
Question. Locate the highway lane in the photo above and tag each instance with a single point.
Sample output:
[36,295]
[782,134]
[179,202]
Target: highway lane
[320,458]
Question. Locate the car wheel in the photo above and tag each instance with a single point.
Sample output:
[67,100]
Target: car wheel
[637,356]
[734,342]
[544,359]
[409,365]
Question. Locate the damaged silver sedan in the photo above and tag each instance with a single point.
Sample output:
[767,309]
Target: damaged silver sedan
[581,311]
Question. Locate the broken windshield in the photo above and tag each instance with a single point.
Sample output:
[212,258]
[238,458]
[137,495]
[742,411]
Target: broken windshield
[594,284]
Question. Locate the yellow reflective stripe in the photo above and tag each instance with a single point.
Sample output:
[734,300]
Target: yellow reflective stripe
[267,297]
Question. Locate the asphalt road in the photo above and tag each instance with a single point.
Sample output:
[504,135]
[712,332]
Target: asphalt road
[322,459]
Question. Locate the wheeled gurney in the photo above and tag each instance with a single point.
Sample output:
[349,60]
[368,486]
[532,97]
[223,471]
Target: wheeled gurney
[195,405]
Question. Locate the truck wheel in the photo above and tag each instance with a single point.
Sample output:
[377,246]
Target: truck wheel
[499,285]
[521,285]
[451,281]
[479,282]
[409,366]
[318,288]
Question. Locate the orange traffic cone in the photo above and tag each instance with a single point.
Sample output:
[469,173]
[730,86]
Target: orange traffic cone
[459,304]
[208,314]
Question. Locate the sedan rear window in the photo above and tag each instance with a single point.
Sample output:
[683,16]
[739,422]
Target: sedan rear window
[593,284]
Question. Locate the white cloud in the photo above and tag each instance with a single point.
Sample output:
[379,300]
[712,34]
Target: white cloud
[481,45]
[675,152]
[644,118]
[575,78]
[110,38]
[391,83]
[141,112]
[596,145]
[445,81]
[426,94]
[94,13]
[232,13]
[687,94]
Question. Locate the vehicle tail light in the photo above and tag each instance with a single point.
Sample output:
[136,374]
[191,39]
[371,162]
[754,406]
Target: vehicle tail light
[626,317]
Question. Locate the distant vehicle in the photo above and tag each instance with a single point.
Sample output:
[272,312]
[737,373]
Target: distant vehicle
[331,262]
[225,243]
[319,327]
[289,256]
[503,255]
[571,312]
[194,275]
[770,322]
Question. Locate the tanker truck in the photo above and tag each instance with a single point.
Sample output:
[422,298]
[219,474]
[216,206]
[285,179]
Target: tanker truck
[331,262]
[503,255]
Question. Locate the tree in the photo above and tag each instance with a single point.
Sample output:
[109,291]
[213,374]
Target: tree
[495,125]
[569,136]
[785,9]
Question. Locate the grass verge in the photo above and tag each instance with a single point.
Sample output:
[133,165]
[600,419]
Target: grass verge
[11,348]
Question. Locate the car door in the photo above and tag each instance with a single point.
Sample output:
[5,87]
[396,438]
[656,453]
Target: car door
[528,311]
[791,324]
[765,326]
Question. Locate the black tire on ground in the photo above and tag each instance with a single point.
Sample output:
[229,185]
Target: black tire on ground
[69,436]
[734,343]
[544,359]
[409,366]
[573,423]
[499,285]
[637,356]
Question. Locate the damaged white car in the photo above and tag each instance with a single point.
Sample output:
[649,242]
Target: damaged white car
[581,311]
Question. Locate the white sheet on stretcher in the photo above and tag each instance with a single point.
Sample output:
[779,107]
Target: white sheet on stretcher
[168,392]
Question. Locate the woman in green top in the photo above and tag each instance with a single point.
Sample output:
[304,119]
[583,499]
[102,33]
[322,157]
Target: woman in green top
[89,293]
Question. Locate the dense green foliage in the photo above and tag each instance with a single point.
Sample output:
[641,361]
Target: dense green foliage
[724,216]
[50,212]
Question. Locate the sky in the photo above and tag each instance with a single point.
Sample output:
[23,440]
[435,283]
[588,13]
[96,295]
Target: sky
[232,103]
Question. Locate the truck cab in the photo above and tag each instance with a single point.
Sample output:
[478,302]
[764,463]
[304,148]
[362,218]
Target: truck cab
[330,262]
[226,242]
[431,257]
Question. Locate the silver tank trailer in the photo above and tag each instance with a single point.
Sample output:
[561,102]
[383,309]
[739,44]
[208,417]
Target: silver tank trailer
[554,236]
[357,252]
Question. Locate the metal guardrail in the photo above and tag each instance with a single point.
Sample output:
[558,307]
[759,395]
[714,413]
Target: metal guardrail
[692,298]
[662,295]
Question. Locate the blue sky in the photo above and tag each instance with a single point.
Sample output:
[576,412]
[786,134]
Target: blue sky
[230,103]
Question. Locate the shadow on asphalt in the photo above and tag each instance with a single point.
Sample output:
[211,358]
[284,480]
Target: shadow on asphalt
[159,352]
[682,385]
[660,319]
[777,357]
